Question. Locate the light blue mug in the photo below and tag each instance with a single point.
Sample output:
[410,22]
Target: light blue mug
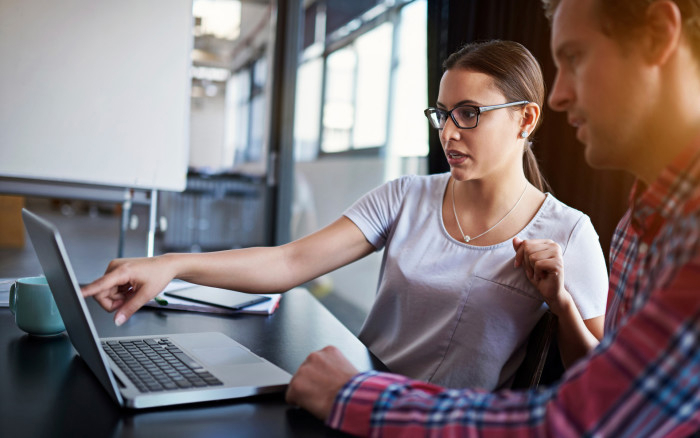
[32,303]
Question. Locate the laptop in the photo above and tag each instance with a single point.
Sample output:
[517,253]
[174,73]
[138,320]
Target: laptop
[150,371]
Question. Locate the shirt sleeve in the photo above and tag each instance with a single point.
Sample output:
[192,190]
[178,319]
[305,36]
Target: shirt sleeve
[642,380]
[375,212]
[585,271]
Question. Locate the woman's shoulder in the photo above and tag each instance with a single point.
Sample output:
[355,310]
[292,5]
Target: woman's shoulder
[559,221]
[554,209]
[414,184]
[405,188]
[432,179]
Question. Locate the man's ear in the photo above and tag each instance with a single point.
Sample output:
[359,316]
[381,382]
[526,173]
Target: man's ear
[662,31]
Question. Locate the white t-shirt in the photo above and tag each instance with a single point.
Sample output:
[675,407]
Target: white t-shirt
[455,314]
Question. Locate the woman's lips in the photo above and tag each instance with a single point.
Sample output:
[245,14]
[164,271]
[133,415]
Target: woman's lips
[454,157]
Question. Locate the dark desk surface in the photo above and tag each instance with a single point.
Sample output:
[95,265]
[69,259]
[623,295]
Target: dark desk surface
[46,390]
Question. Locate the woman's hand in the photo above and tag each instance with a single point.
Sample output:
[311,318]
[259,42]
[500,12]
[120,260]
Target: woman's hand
[544,267]
[128,284]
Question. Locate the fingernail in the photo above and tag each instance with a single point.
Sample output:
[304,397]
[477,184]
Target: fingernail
[119,320]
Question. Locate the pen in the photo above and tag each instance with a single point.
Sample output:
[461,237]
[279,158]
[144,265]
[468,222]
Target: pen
[160,300]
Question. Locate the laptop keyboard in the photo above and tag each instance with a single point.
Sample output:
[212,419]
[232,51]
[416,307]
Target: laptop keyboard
[158,365]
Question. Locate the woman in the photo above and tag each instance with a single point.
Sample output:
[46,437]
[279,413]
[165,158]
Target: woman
[452,307]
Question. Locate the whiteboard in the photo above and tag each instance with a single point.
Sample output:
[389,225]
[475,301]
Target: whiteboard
[96,92]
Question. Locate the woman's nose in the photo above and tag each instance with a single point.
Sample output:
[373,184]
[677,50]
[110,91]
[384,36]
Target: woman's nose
[450,131]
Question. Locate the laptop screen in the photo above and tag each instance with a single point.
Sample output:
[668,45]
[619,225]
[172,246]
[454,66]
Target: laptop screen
[53,258]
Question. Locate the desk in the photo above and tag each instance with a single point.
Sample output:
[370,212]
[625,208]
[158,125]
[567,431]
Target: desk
[46,390]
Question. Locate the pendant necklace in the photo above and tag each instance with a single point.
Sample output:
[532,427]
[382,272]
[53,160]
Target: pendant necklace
[468,239]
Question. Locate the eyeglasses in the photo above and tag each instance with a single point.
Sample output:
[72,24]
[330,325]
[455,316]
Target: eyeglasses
[464,116]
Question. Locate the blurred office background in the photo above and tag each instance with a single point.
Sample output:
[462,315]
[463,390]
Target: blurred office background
[300,107]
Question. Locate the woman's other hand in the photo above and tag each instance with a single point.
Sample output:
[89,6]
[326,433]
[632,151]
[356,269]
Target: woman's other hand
[543,264]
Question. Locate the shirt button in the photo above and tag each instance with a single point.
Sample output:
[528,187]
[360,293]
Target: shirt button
[643,247]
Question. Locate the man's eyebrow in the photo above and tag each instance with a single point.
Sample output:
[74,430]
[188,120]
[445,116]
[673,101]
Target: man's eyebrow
[559,53]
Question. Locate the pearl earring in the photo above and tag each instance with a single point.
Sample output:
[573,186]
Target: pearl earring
[523,134]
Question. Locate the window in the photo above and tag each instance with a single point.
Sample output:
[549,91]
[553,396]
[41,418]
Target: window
[308,109]
[372,92]
[361,84]
[341,12]
[246,113]
[258,112]
[409,130]
[237,115]
[338,107]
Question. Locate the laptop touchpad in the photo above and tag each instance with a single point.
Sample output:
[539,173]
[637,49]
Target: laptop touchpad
[217,356]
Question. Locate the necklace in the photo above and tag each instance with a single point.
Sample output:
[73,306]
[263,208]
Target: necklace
[467,239]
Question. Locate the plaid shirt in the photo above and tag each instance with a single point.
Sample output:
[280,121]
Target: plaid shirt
[642,380]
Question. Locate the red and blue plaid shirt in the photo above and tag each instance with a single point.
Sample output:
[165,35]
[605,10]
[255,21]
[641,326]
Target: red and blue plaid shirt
[642,380]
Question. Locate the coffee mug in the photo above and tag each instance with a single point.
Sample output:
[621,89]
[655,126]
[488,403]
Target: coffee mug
[32,303]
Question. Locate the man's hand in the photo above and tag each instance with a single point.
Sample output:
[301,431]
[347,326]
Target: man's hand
[318,380]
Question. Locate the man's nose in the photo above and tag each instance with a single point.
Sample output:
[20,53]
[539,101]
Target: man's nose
[561,95]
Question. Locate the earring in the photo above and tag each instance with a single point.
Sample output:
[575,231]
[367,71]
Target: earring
[523,134]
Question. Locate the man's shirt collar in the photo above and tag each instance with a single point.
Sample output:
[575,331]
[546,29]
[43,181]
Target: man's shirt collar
[653,205]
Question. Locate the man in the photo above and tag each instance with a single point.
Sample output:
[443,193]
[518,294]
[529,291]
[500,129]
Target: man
[629,79]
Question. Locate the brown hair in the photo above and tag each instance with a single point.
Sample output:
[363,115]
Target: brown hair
[516,74]
[621,19]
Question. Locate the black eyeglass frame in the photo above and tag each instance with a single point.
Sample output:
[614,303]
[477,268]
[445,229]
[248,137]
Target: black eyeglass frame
[477,109]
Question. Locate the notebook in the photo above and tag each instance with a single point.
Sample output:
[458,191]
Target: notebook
[168,302]
[215,366]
